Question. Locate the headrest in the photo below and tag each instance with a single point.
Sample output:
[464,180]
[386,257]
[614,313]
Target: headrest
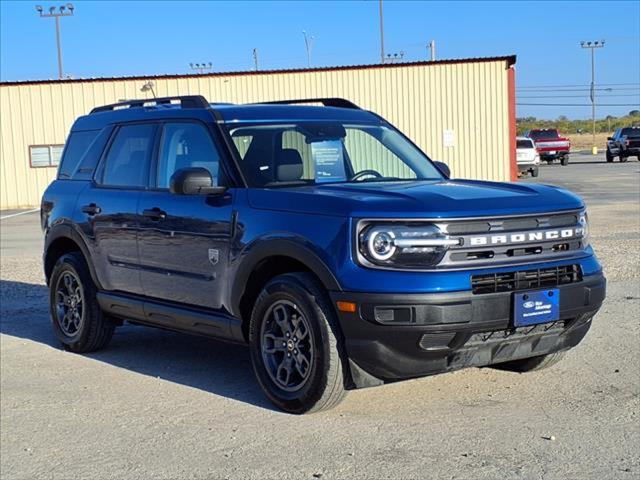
[289,165]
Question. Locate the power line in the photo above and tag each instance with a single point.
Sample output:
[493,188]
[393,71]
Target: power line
[580,96]
[579,104]
[580,85]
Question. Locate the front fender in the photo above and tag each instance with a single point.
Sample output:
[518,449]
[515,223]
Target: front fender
[292,246]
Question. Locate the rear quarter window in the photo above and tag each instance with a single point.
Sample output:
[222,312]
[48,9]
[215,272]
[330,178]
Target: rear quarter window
[77,146]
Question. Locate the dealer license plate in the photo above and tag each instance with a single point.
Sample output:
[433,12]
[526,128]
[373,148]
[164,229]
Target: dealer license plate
[532,308]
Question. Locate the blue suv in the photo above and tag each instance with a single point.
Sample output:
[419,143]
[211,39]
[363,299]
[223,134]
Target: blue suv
[320,236]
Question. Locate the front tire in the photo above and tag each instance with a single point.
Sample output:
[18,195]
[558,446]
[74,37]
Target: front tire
[609,156]
[531,364]
[534,172]
[76,317]
[294,344]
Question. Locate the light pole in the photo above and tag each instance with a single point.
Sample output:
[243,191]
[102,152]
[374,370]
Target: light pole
[308,43]
[432,50]
[200,67]
[593,46]
[255,58]
[63,11]
[381,34]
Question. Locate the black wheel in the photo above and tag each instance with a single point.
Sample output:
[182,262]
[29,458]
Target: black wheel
[623,158]
[534,172]
[531,364]
[295,350]
[564,161]
[77,319]
[549,162]
[609,156]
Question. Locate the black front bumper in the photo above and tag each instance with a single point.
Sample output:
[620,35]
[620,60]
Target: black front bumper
[394,336]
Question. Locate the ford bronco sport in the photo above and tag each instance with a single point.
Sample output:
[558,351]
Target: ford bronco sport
[318,235]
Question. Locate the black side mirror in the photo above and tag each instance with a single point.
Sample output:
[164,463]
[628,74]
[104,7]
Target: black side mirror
[194,181]
[609,138]
[443,167]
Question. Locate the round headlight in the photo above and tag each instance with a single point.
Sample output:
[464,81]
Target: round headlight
[381,244]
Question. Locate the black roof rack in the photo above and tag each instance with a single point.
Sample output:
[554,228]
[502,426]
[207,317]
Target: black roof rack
[186,101]
[327,102]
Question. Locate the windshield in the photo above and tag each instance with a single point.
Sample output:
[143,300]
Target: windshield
[304,153]
[524,144]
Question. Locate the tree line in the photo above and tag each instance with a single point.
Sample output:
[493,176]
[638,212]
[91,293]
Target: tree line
[564,125]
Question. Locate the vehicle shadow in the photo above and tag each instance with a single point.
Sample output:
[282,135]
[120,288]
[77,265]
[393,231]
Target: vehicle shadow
[213,366]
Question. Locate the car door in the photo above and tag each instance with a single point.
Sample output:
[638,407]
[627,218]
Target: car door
[184,239]
[110,205]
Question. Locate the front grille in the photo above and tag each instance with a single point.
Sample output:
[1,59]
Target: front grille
[525,280]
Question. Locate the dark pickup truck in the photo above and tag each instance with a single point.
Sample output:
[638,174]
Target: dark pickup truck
[624,143]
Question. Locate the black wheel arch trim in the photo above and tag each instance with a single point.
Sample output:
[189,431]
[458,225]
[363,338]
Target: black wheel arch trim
[68,231]
[279,247]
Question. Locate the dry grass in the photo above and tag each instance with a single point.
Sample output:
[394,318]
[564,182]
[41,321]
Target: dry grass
[584,141]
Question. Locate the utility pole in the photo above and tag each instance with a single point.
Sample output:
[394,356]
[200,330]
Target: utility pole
[63,11]
[148,87]
[201,67]
[255,58]
[592,46]
[382,58]
[308,42]
[432,49]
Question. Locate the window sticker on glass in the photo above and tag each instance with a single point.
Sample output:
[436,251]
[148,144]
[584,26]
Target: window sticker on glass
[328,161]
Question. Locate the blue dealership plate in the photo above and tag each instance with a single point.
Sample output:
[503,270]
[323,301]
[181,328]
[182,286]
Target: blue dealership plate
[532,308]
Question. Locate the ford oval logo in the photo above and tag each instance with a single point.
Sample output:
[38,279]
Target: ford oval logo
[528,304]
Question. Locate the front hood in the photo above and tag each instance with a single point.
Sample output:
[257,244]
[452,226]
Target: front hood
[417,199]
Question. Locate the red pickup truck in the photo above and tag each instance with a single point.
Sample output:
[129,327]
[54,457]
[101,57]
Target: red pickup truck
[550,145]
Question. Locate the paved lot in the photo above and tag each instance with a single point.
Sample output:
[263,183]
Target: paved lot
[160,405]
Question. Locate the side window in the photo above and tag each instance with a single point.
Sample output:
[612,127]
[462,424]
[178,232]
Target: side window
[127,162]
[367,153]
[77,146]
[242,142]
[186,145]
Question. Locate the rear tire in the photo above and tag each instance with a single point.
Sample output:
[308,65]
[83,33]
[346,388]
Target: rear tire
[623,159]
[534,172]
[531,364]
[608,156]
[295,348]
[564,161]
[76,317]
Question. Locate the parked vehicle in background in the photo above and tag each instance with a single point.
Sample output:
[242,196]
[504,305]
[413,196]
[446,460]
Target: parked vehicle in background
[320,236]
[527,156]
[550,145]
[624,143]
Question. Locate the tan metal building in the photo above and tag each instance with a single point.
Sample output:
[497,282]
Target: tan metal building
[461,112]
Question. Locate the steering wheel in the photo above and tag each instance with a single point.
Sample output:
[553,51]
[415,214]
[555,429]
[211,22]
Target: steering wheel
[364,173]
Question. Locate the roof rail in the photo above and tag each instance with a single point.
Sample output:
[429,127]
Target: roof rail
[186,101]
[327,102]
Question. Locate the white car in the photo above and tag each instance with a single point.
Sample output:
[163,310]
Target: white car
[527,156]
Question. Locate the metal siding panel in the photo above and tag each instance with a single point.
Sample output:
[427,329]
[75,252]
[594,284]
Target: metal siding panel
[423,101]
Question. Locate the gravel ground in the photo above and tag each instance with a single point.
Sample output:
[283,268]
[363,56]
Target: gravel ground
[161,405]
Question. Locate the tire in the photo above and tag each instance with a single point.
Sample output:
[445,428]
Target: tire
[623,159]
[564,161]
[534,172]
[531,364]
[609,156]
[76,317]
[549,162]
[298,302]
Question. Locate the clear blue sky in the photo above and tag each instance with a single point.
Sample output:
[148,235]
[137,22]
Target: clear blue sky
[146,38]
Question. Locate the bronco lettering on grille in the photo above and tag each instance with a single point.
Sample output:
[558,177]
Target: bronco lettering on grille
[526,237]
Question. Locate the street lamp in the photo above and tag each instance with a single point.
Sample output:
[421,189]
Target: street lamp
[201,67]
[592,46]
[148,87]
[63,11]
[308,42]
